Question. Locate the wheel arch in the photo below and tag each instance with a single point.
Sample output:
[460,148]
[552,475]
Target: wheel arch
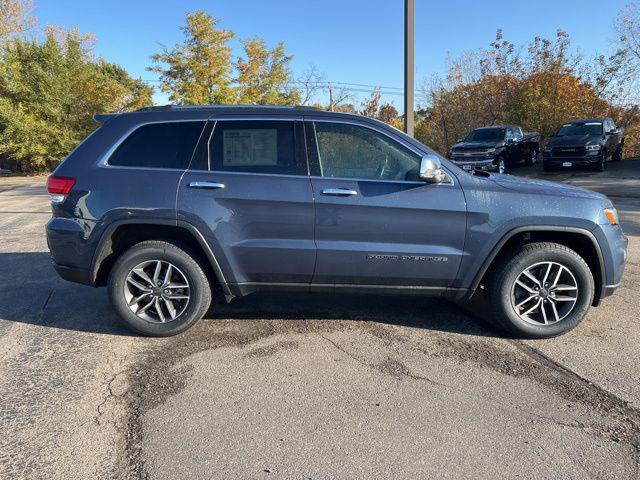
[123,234]
[578,239]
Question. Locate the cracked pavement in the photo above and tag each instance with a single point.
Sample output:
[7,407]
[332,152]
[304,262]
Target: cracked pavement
[309,386]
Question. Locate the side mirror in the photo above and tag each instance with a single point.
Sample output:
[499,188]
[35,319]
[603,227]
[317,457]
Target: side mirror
[431,169]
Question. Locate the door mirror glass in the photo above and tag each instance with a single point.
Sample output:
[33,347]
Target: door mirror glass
[431,169]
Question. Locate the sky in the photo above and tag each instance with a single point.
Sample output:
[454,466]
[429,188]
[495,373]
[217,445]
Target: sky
[357,42]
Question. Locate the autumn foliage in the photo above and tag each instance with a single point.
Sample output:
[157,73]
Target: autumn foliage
[539,87]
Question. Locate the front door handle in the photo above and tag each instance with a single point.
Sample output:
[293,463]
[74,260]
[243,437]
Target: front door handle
[340,192]
[212,185]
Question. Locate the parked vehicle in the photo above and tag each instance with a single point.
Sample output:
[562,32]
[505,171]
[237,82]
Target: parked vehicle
[496,148]
[584,143]
[167,205]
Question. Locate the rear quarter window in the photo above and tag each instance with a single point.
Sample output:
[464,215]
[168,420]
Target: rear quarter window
[158,145]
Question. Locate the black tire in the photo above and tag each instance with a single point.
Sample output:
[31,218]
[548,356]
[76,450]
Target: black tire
[532,159]
[599,167]
[501,282]
[547,168]
[617,156]
[501,164]
[199,288]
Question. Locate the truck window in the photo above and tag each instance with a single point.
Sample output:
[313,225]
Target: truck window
[158,145]
[254,146]
[353,151]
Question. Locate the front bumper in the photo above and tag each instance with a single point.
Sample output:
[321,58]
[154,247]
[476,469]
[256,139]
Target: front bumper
[569,162]
[613,246]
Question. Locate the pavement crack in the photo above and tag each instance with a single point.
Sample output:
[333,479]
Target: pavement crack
[389,366]
[571,384]
[46,302]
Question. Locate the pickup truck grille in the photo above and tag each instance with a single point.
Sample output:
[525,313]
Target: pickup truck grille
[568,151]
[475,158]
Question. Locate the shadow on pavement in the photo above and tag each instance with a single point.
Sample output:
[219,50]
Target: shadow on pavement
[32,293]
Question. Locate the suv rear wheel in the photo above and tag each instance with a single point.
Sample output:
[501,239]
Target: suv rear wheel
[540,291]
[158,288]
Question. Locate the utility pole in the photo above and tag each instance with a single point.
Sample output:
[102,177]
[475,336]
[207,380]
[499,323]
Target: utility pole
[408,66]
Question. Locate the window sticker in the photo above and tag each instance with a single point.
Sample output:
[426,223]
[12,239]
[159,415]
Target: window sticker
[250,147]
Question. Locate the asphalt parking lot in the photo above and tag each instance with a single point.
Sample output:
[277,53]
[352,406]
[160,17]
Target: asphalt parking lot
[310,386]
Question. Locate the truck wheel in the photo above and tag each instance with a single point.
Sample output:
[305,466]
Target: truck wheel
[617,156]
[540,291]
[547,168]
[533,158]
[501,165]
[599,167]
[158,289]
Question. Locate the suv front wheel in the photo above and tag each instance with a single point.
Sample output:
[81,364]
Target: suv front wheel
[540,291]
[158,288]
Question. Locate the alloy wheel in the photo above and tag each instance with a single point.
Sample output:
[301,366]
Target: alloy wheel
[501,166]
[156,291]
[544,293]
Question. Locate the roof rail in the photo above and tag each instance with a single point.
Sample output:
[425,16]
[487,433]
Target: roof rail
[215,106]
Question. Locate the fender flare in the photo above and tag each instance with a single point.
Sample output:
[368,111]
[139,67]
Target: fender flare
[542,228]
[106,236]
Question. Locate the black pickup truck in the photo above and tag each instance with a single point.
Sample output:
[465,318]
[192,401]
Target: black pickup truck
[584,143]
[495,148]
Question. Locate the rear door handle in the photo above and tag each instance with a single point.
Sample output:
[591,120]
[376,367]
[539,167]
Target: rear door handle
[340,192]
[212,185]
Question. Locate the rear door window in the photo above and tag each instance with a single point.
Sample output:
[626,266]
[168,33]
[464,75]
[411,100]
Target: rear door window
[159,145]
[254,146]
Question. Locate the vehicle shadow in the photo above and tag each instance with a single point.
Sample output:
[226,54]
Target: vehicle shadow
[402,310]
[32,293]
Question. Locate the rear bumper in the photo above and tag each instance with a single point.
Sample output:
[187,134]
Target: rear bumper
[71,250]
[72,274]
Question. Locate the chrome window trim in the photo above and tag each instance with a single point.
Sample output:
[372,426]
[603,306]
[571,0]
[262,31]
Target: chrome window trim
[418,152]
[226,172]
[104,159]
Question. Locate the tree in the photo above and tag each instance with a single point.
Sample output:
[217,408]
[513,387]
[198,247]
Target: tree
[627,27]
[387,113]
[199,70]
[264,76]
[49,91]
[371,105]
[338,98]
[310,83]
[14,18]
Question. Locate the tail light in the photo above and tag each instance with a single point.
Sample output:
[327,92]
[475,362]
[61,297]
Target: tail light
[59,188]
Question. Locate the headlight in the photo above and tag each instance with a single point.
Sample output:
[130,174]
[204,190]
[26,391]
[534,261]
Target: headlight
[491,151]
[546,149]
[612,215]
[593,148]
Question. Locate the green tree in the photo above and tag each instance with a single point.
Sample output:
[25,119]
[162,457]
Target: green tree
[199,70]
[264,76]
[49,91]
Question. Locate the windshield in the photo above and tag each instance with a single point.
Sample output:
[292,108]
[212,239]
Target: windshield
[579,129]
[486,134]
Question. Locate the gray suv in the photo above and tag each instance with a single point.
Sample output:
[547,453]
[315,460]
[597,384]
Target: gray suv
[168,205]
